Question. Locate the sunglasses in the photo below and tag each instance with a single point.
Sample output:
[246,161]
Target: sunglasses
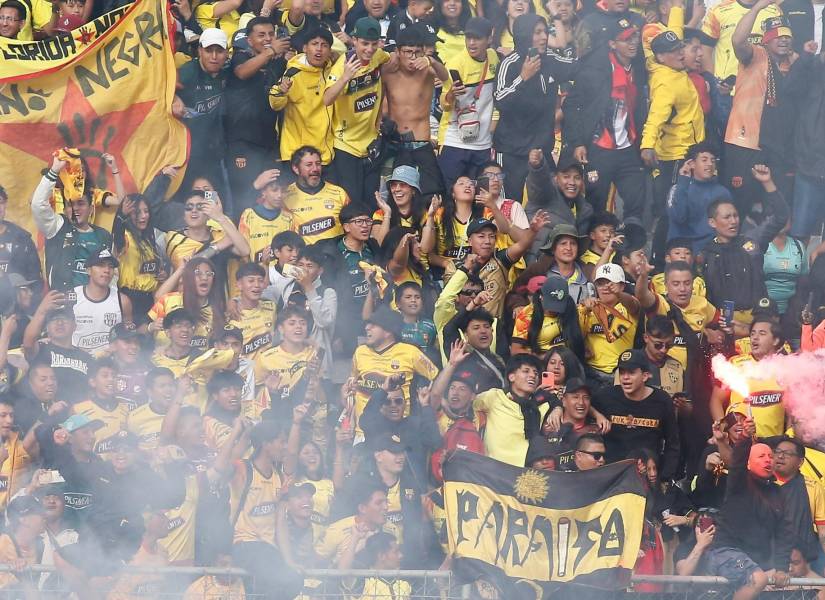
[595,455]
[662,345]
[192,207]
[469,292]
[394,402]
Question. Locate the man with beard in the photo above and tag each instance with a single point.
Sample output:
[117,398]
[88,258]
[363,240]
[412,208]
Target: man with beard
[315,204]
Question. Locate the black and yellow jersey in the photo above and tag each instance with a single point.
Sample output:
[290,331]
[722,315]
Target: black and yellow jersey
[113,421]
[315,216]
[697,314]
[258,231]
[180,541]
[321,504]
[602,354]
[172,301]
[765,399]
[145,423]
[338,535]
[550,334]
[139,265]
[256,518]
[370,369]
[357,109]
[179,246]
[256,325]
[290,367]
[13,470]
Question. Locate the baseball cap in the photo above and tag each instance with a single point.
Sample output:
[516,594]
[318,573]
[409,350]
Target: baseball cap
[66,312]
[477,225]
[539,448]
[622,29]
[466,377]
[125,439]
[388,320]
[567,161]
[405,173]
[478,27]
[690,33]
[634,359]
[774,27]
[228,332]
[390,442]
[176,316]
[102,257]
[76,422]
[367,28]
[558,231]
[123,331]
[611,272]
[50,489]
[23,506]
[298,487]
[575,384]
[554,293]
[16,280]
[213,36]
[429,36]
[667,41]
[409,36]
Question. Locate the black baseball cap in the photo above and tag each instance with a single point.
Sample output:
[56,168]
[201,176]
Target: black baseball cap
[575,384]
[125,439]
[634,359]
[102,257]
[621,29]
[478,27]
[554,294]
[123,331]
[477,225]
[176,316]
[409,36]
[390,442]
[667,41]
[388,320]
[300,487]
[23,506]
[467,377]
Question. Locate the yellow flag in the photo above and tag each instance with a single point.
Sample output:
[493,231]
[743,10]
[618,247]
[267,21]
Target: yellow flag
[105,88]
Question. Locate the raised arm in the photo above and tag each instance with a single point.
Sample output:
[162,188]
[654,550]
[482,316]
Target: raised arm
[520,248]
[742,47]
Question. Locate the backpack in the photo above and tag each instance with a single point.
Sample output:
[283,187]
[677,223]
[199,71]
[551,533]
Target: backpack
[462,435]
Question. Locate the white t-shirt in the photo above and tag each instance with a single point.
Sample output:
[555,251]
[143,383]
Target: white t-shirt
[817,6]
[94,320]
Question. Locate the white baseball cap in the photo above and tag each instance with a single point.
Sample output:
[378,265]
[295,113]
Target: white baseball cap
[610,272]
[213,37]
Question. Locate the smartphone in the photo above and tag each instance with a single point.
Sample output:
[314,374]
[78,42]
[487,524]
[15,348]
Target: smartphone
[291,72]
[730,80]
[71,297]
[705,522]
[334,27]
[455,76]
[293,271]
[209,196]
[548,379]
[532,52]
[727,311]
[281,32]
[350,54]
[483,183]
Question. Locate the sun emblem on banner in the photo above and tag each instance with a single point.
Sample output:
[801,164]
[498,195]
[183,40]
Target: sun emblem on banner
[531,486]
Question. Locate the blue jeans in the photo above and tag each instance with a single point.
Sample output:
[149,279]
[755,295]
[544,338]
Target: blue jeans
[808,205]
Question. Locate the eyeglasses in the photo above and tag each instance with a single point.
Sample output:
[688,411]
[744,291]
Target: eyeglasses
[192,207]
[662,345]
[784,453]
[415,53]
[362,222]
[595,455]
[469,292]
[496,176]
[198,273]
[394,401]
[9,20]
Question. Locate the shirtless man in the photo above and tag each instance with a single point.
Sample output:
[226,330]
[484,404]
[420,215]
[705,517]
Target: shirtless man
[409,83]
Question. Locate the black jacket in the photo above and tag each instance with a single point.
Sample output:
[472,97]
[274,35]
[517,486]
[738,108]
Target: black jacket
[809,139]
[733,271]
[593,32]
[753,518]
[800,14]
[586,106]
[18,254]
[527,109]
[487,366]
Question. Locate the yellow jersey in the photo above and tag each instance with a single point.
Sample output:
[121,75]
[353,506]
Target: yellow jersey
[321,504]
[256,325]
[113,422]
[290,367]
[14,470]
[589,257]
[258,231]
[720,23]
[550,334]
[179,543]
[765,398]
[697,314]
[378,588]
[216,432]
[212,587]
[357,109]
[315,216]
[602,354]
[256,518]
[140,265]
[145,423]
[370,369]
[179,246]
[228,23]
[449,45]
[504,435]
[658,281]
[337,538]
[173,301]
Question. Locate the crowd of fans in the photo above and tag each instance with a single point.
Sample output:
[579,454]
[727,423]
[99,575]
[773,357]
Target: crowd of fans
[516,228]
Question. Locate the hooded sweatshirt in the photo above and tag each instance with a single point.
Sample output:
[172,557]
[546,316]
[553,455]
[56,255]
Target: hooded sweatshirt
[306,120]
[687,207]
[527,108]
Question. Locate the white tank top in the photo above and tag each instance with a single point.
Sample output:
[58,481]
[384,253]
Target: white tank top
[94,320]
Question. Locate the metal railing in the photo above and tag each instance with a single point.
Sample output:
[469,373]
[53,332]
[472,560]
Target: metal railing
[322,584]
